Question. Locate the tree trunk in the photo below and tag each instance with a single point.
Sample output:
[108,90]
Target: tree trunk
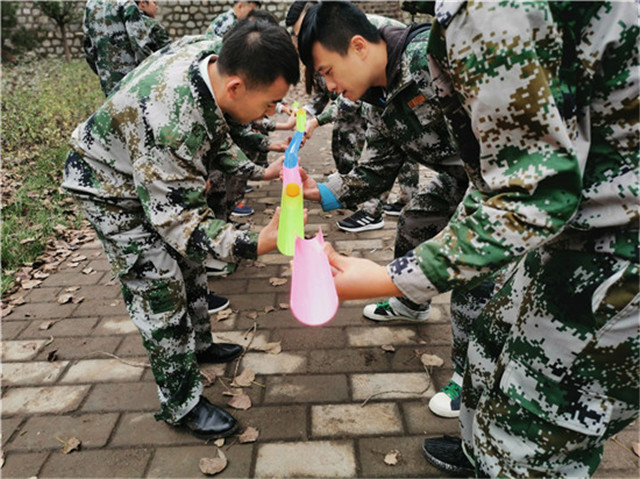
[65,43]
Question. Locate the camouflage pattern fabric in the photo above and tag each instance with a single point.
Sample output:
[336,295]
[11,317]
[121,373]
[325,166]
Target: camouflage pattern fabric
[543,100]
[117,37]
[140,165]
[222,24]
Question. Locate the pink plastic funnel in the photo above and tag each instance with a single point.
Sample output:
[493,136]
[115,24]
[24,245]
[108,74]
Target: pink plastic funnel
[314,300]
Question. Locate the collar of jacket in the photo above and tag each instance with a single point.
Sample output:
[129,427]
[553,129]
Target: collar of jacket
[396,39]
[211,112]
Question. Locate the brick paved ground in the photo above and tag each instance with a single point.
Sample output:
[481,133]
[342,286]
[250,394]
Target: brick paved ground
[307,401]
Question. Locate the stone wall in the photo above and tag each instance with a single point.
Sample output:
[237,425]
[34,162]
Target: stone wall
[180,17]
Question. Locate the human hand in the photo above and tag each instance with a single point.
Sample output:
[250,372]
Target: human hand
[287,125]
[268,236]
[309,187]
[273,170]
[278,146]
[359,278]
[310,127]
[286,109]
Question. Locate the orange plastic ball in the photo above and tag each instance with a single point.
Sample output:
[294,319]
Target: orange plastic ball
[292,189]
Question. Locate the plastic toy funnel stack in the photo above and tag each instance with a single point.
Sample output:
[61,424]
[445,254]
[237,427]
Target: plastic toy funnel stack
[313,300]
[291,224]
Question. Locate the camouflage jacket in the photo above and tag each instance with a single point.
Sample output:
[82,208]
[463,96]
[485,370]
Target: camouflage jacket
[117,37]
[152,145]
[547,117]
[405,122]
[222,24]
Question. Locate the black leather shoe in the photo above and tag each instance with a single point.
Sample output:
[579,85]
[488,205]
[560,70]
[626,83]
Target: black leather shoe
[220,353]
[206,421]
[446,454]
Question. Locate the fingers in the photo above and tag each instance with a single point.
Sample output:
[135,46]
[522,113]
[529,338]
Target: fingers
[335,259]
[303,174]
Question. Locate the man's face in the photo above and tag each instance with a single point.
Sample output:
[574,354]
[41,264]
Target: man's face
[244,8]
[253,104]
[149,7]
[348,75]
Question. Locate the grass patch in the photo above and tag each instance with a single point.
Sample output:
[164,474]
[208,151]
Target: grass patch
[42,102]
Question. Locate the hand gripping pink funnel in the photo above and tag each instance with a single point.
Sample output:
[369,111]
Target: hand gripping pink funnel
[314,300]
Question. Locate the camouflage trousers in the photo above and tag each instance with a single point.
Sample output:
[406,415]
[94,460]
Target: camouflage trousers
[347,147]
[552,366]
[166,297]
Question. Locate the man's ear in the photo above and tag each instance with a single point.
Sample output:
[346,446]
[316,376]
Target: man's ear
[360,46]
[234,87]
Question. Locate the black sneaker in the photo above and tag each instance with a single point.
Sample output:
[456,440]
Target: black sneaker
[248,189]
[393,209]
[216,303]
[446,454]
[360,221]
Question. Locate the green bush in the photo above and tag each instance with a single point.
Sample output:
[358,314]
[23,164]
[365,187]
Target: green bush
[42,102]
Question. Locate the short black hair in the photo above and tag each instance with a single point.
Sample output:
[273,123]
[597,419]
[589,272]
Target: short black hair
[260,14]
[295,10]
[333,24]
[260,52]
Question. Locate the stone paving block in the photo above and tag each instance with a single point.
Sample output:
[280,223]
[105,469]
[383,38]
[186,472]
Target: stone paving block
[9,426]
[184,461]
[131,345]
[99,291]
[42,400]
[444,298]
[420,420]
[21,465]
[141,429]
[98,463]
[618,453]
[60,327]
[38,372]
[355,420]
[435,334]
[22,350]
[100,265]
[310,338]
[407,358]
[140,396]
[11,329]
[256,301]
[391,386]
[101,307]
[41,311]
[82,347]
[262,285]
[101,370]
[348,360]
[306,459]
[381,335]
[283,363]
[40,433]
[115,325]
[283,422]
[43,294]
[362,244]
[257,340]
[229,285]
[73,278]
[307,389]
[371,452]
[272,259]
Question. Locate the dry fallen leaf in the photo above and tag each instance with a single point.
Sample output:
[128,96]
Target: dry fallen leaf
[46,325]
[636,448]
[6,311]
[70,445]
[64,298]
[224,314]
[252,315]
[211,466]
[431,360]
[40,275]
[393,457]
[18,301]
[271,348]
[72,289]
[250,434]
[27,240]
[388,348]
[242,401]
[88,270]
[277,281]
[244,379]
[219,442]
[258,264]
[30,284]
[269,309]
[283,305]
[232,392]
[77,300]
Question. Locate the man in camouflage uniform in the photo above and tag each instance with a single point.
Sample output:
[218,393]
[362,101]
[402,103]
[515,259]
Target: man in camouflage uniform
[350,121]
[157,32]
[139,166]
[405,124]
[117,38]
[226,21]
[543,99]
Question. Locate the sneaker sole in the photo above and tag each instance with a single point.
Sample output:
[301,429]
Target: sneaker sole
[443,413]
[213,274]
[444,466]
[391,213]
[371,227]
[241,215]
[220,308]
